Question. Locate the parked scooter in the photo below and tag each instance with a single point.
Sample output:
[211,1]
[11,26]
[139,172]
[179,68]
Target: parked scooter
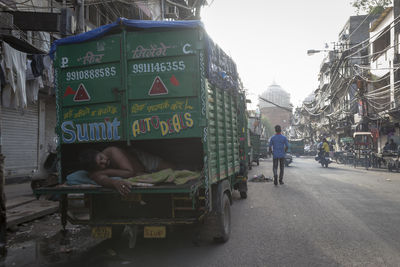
[391,158]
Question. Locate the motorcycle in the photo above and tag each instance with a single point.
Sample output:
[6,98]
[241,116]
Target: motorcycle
[288,159]
[392,160]
[323,159]
[339,157]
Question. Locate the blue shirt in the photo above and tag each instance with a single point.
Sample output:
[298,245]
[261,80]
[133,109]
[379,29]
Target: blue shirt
[278,143]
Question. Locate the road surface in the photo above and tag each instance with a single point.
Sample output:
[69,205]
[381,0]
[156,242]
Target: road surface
[336,216]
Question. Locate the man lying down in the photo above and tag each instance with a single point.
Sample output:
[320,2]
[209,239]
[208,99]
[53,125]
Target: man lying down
[117,169]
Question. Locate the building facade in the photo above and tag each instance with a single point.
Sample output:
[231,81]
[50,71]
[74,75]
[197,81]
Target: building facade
[340,103]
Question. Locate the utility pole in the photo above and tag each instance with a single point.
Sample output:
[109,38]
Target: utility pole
[3,214]
[81,16]
[361,85]
[266,100]
[396,61]
[162,4]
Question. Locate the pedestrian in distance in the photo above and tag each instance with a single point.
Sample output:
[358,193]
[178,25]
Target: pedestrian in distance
[278,145]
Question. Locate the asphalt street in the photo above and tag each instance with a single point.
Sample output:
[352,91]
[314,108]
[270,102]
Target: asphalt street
[336,216]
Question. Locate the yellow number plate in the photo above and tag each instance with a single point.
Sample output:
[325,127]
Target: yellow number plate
[154,232]
[102,232]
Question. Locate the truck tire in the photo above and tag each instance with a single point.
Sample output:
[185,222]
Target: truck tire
[223,220]
[243,194]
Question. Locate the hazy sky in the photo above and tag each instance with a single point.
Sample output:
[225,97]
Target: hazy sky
[269,39]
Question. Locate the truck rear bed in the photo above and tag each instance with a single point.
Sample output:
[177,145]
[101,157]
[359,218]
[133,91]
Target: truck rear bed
[159,204]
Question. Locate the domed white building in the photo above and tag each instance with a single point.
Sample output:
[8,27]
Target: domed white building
[276,94]
[274,114]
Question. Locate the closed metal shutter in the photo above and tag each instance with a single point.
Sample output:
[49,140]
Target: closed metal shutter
[19,131]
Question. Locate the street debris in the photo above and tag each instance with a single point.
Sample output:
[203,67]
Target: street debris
[260,178]
[111,252]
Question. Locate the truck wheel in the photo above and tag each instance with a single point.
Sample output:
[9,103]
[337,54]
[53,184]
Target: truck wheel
[258,162]
[224,221]
[243,194]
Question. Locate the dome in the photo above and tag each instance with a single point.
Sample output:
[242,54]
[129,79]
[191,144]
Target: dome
[276,94]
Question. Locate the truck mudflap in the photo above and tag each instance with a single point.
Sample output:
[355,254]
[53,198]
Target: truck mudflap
[241,186]
[217,223]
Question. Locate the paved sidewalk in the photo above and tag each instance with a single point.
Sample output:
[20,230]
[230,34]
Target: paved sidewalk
[13,191]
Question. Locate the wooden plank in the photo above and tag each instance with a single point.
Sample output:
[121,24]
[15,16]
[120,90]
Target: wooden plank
[30,211]
[18,201]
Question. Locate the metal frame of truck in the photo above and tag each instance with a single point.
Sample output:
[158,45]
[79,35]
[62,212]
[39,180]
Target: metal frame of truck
[199,107]
[255,145]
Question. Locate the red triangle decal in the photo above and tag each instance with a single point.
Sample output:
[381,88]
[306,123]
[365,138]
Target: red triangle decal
[174,80]
[158,87]
[81,94]
[69,91]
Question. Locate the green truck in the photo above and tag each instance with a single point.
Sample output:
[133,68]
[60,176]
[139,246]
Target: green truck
[296,147]
[264,148]
[165,88]
[255,147]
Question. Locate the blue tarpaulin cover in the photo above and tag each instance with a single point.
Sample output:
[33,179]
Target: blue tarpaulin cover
[102,30]
[221,70]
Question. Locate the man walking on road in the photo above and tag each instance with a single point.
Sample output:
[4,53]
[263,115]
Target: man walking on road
[279,145]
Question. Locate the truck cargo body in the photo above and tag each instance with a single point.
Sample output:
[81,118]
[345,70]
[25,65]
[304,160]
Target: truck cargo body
[164,88]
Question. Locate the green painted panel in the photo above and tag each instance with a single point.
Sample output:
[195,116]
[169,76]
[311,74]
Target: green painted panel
[157,106]
[94,123]
[152,44]
[99,81]
[164,118]
[106,49]
[163,77]
[164,125]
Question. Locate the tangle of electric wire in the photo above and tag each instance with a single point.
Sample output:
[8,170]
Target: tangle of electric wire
[379,34]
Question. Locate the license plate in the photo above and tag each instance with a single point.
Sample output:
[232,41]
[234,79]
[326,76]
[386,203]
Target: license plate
[102,232]
[154,232]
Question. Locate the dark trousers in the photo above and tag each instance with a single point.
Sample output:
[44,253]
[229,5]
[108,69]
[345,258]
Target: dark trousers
[281,168]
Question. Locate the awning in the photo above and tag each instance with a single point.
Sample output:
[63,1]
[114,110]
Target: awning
[20,45]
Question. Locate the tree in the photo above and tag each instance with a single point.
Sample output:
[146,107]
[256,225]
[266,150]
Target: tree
[371,6]
[268,127]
